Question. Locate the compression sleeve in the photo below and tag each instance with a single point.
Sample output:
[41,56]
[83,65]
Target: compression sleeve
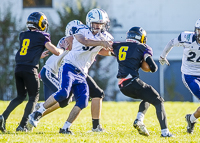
[152,64]
[170,45]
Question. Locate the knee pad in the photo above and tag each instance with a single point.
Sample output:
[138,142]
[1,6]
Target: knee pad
[82,101]
[99,94]
[60,95]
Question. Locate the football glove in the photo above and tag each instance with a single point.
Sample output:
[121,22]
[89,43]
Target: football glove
[163,61]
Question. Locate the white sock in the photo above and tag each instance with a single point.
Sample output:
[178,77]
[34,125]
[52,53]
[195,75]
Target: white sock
[192,118]
[67,125]
[165,132]
[140,116]
[41,109]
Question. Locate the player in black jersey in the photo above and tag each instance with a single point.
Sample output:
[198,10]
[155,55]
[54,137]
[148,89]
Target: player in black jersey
[32,45]
[130,55]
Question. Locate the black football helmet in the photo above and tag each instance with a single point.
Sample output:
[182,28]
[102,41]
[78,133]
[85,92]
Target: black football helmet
[137,33]
[37,20]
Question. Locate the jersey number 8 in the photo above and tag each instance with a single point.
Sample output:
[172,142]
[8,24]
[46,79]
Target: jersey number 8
[24,48]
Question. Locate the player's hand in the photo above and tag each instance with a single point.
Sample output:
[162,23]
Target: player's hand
[64,44]
[163,61]
[69,41]
[107,44]
[44,54]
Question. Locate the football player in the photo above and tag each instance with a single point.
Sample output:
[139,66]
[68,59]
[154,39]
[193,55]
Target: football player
[49,76]
[130,55]
[190,66]
[74,70]
[32,45]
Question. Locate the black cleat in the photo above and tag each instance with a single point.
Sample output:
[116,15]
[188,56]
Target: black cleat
[21,129]
[2,124]
[190,127]
[66,131]
[168,135]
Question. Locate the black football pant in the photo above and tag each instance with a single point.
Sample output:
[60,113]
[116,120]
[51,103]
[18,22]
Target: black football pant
[136,88]
[25,82]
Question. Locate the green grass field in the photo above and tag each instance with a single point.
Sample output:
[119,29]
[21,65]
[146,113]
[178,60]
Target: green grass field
[117,118]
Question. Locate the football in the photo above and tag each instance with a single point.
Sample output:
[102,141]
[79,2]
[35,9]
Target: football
[145,67]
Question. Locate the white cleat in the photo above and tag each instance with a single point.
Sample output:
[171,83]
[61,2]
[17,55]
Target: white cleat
[141,128]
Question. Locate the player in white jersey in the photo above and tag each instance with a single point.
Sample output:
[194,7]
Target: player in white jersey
[190,68]
[49,76]
[74,71]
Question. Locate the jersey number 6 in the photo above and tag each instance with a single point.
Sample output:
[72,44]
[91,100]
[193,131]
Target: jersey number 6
[122,53]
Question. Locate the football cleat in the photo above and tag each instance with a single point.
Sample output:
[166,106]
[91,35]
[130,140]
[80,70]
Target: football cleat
[140,127]
[190,127]
[168,135]
[37,106]
[29,126]
[21,129]
[66,131]
[2,124]
[34,118]
[98,129]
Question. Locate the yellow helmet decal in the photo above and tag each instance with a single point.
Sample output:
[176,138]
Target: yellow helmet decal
[40,23]
[143,36]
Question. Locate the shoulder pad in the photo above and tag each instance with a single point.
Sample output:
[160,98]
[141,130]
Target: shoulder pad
[186,36]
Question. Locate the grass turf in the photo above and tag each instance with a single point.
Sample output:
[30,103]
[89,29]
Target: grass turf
[117,118]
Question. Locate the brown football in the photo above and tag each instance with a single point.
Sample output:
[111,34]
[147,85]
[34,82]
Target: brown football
[145,67]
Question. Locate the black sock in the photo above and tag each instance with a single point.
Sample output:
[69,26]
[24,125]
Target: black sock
[95,123]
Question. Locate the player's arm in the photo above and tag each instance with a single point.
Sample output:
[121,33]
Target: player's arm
[53,49]
[106,52]
[174,42]
[149,60]
[89,42]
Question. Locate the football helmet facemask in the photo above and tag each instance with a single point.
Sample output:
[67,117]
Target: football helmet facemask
[138,34]
[38,21]
[71,27]
[97,16]
[197,29]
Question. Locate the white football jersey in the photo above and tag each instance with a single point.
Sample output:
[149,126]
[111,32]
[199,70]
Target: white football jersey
[191,53]
[81,56]
[53,63]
